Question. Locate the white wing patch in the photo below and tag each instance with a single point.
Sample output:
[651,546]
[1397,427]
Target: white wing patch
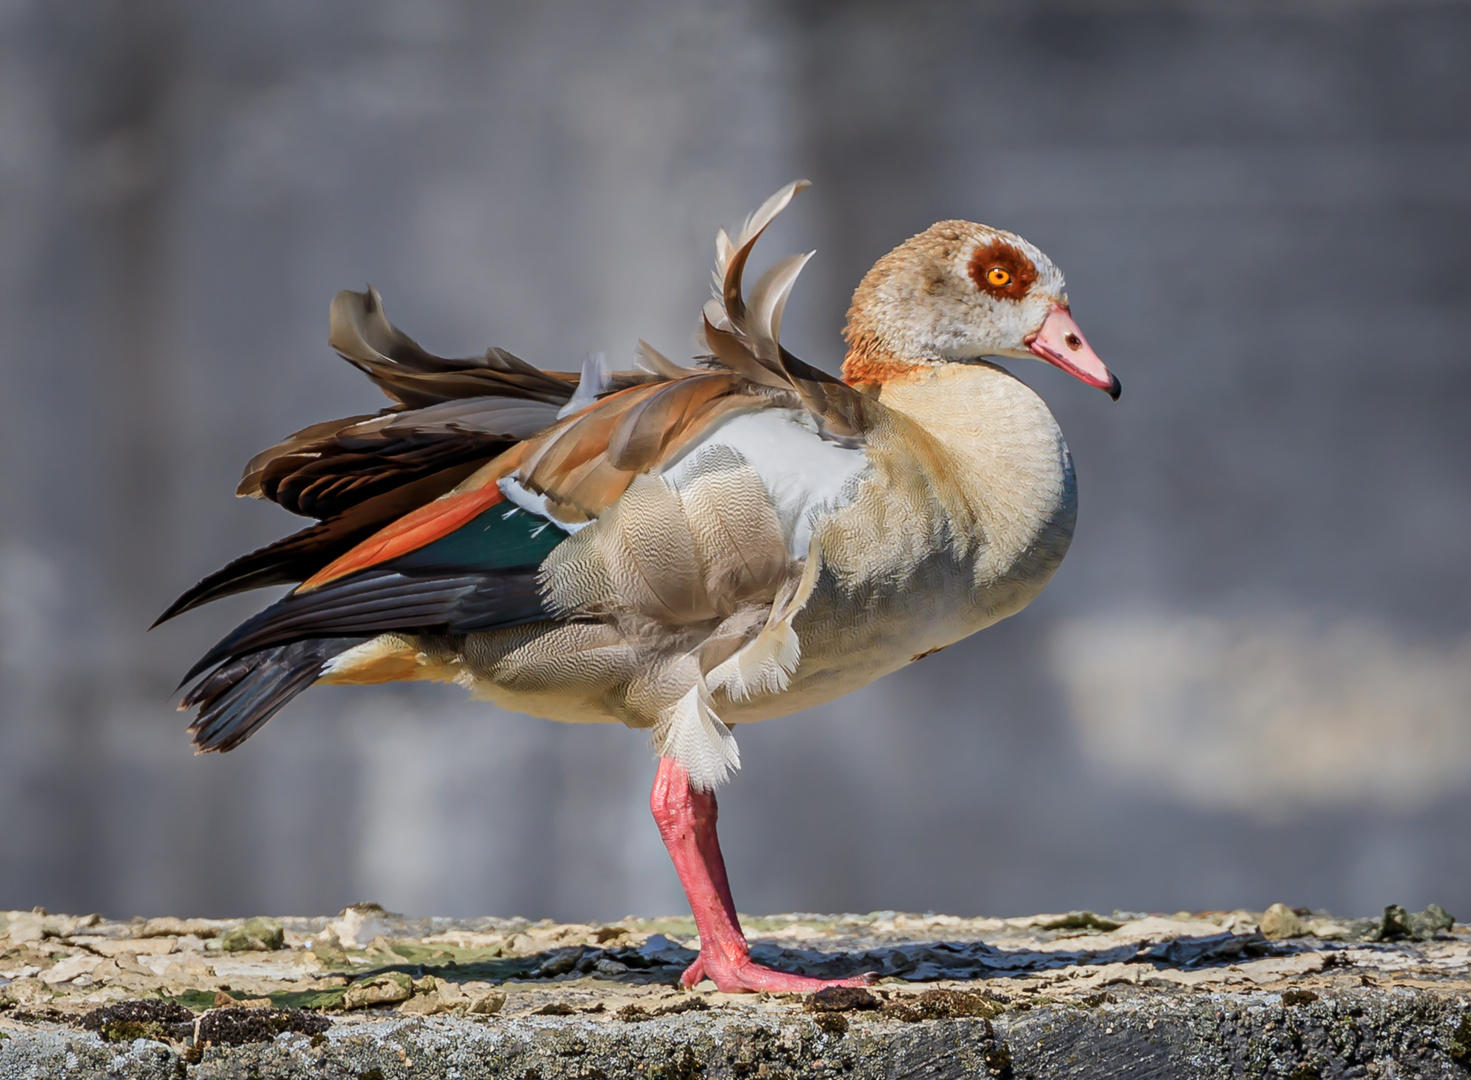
[804,473]
[534,503]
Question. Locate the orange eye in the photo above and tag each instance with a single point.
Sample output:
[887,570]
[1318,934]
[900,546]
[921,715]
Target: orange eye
[998,277]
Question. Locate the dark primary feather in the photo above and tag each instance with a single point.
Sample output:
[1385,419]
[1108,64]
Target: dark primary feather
[380,600]
[446,412]
[271,658]
[242,694]
[297,557]
[482,576]
[342,476]
[325,469]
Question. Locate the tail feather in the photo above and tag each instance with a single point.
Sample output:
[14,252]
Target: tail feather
[240,695]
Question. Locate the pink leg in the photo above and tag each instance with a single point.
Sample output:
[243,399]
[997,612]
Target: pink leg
[686,820]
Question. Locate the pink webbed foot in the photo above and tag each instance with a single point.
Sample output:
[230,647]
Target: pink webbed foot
[734,977]
[686,819]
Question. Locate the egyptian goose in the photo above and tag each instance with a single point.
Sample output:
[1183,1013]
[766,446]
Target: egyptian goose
[677,548]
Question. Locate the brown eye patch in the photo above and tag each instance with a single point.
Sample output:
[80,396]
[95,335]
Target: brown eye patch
[1001,270]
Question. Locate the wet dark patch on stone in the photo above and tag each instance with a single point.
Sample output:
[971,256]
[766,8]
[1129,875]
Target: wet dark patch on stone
[941,1005]
[998,1061]
[559,962]
[1213,951]
[841,999]
[236,1027]
[147,1018]
[632,1014]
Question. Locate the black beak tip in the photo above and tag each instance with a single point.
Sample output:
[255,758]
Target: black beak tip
[1114,387]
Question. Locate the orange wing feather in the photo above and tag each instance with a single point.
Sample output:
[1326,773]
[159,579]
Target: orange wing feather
[409,533]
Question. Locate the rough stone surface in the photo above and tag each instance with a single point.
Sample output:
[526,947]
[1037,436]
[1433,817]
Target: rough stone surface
[1075,995]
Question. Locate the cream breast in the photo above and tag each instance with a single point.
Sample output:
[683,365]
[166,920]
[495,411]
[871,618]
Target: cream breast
[967,512]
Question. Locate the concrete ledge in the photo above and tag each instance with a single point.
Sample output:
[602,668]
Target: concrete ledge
[1050,996]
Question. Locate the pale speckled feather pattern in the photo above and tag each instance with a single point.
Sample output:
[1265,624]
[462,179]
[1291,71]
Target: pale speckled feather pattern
[681,580]
[735,526]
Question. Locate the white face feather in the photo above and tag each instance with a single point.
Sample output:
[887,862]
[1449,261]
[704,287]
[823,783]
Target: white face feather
[997,325]
[929,301]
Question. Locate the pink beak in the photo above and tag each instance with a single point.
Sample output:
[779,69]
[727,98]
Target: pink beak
[1061,343]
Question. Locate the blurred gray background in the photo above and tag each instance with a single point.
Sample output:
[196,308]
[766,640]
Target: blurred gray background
[1250,682]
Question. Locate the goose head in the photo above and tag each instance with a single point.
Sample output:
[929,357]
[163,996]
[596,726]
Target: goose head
[958,292]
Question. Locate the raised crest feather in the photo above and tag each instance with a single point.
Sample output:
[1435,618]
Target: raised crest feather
[746,337]
[731,257]
[769,300]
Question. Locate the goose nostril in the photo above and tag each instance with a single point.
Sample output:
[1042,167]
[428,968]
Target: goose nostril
[1073,342]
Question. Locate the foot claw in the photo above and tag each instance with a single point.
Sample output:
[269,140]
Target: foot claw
[693,974]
